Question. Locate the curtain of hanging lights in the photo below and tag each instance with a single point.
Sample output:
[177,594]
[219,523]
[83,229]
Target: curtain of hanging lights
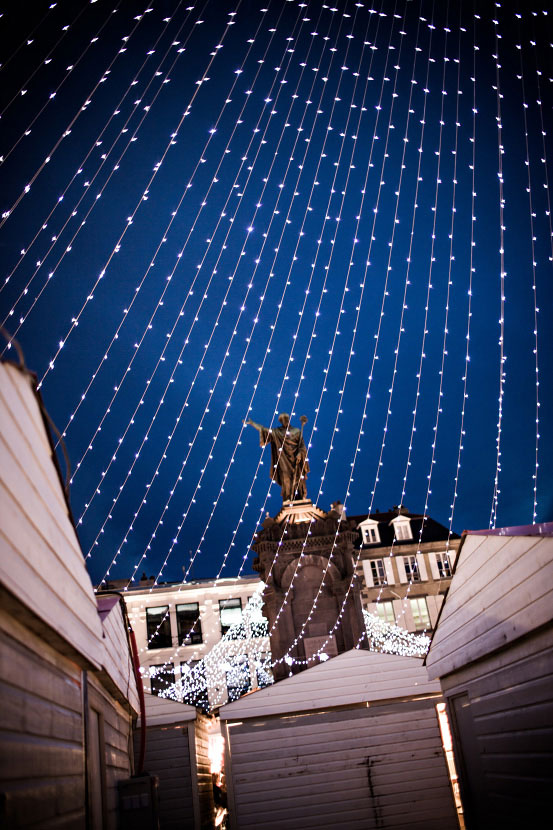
[219,211]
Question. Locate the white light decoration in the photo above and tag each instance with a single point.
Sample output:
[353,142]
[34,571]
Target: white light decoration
[90,176]
[502,275]
[392,639]
[67,131]
[208,678]
[313,251]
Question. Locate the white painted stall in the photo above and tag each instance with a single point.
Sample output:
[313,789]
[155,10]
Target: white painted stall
[177,752]
[492,651]
[350,743]
[68,693]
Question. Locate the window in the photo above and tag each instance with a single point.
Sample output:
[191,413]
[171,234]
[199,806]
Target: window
[385,610]
[189,626]
[230,611]
[444,565]
[411,568]
[194,684]
[161,679]
[371,535]
[158,626]
[419,610]
[238,676]
[403,530]
[378,572]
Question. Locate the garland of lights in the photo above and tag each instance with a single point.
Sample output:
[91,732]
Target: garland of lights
[159,303]
[287,657]
[186,403]
[130,219]
[97,142]
[207,681]
[25,86]
[534,266]
[286,370]
[28,40]
[471,271]
[260,369]
[248,340]
[342,308]
[67,131]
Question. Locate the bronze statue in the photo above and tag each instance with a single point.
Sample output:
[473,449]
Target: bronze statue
[289,464]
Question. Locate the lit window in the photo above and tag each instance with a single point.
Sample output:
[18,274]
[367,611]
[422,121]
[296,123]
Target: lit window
[378,572]
[238,676]
[230,611]
[162,678]
[444,565]
[158,626]
[385,611]
[411,568]
[194,684]
[188,624]
[403,530]
[371,535]
[419,610]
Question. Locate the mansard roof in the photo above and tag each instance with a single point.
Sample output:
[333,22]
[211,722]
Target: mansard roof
[432,531]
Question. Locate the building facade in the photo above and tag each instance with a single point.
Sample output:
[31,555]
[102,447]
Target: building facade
[404,569]
[405,566]
[177,625]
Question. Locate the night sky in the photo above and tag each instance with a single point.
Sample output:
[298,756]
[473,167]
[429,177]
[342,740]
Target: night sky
[228,210]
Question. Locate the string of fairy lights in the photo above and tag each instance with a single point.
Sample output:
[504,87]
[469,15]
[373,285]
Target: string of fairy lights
[314,243]
[91,177]
[534,266]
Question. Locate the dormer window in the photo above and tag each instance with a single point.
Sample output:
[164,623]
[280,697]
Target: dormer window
[370,532]
[402,528]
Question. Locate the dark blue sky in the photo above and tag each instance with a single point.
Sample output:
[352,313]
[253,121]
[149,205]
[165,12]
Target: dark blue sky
[305,177]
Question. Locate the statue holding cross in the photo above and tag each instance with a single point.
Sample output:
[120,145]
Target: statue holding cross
[289,464]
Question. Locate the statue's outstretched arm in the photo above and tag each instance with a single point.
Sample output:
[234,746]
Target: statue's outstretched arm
[251,423]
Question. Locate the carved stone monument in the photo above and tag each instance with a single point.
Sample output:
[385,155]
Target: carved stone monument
[296,551]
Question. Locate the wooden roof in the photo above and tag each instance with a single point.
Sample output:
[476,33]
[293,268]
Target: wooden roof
[43,577]
[502,589]
[354,677]
[162,711]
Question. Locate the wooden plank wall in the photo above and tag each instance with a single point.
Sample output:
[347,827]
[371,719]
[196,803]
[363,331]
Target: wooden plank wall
[356,676]
[117,660]
[41,733]
[502,589]
[116,727]
[41,562]
[376,767]
[168,757]
[503,710]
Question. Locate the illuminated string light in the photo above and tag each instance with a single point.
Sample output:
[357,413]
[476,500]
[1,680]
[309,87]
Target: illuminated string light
[67,131]
[291,277]
[333,548]
[159,303]
[471,272]
[212,511]
[171,436]
[104,157]
[29,39]
[502,275]
[130,219]
[24,88]
[534,280]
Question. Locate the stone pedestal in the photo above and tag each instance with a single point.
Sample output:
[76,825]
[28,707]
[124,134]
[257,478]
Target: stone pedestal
[296,551]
